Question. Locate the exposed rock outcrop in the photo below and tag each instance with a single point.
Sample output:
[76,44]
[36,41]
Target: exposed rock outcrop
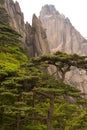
[41,43]
[77,78]
[29,41]
[64,37]
[16,17]
[34,38]
[60,32]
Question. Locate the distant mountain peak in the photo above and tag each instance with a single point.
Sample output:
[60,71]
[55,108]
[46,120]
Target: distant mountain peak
[49,10]
[61,33]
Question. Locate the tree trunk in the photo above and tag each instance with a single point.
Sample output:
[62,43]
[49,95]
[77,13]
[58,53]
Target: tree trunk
[33,105]
[18,122]
[50,114]
[63,76]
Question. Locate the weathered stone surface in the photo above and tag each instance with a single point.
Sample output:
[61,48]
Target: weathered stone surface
[41,43]
[61,33]
[16,17]
[29,41]
[77,78]
[64,37]
[33,38]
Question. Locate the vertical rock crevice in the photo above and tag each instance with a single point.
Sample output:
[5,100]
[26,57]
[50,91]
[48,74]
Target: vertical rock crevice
[41,43]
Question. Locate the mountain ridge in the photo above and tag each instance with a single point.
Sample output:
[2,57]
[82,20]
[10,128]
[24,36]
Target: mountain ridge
[61,33]
[62,36]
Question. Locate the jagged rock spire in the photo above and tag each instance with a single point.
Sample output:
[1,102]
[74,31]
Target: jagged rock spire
[41,42]
[34,38]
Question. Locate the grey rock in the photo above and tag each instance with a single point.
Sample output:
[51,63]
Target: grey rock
[33,37]
[41,43]
[61,33]
[62,36]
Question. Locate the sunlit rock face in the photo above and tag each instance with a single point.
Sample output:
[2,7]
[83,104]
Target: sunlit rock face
[16,20]
[33,37]
[64,37]
[16,17]
[61,33]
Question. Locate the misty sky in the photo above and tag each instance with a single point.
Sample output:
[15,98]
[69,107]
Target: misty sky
[75,10]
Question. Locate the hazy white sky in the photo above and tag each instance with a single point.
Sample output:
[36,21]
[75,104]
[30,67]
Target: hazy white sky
[75,10]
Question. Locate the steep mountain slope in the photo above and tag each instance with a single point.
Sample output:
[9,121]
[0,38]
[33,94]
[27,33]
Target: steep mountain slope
[41,42]
[17,78]
[61,33]
[64,37]
[28,33]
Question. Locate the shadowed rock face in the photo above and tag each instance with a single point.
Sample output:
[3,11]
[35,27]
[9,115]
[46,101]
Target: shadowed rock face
[29,41]
[33,38]
[41,43]
[60,32]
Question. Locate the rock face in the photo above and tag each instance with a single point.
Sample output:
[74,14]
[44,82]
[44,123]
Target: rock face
[29,40]
[77,78]
[64,37]
[16,17]
[41,43]
[34,38]
[60,32]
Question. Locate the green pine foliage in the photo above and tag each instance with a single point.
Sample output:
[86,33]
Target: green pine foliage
[30,98]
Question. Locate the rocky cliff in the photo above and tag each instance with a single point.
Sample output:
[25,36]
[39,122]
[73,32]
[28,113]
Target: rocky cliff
[34,38]
[41,42]
[61,33]
[16,17]
[64,37]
